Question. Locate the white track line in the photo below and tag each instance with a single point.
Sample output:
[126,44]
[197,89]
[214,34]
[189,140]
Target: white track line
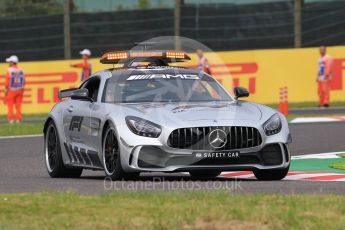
[248,176]
[22,136]
[304,176]
[318,156]
[317,119]
[292,175]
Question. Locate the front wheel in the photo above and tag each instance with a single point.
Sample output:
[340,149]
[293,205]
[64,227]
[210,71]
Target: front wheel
[271,174]
[111,157]
[53,157]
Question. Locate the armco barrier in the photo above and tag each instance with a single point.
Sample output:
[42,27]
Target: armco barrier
[263,72]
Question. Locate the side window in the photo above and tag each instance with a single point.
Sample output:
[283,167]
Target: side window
[93,86]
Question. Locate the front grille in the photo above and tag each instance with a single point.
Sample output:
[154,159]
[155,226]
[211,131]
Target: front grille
[197,138]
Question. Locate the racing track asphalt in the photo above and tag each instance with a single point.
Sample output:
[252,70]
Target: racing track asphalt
[22,169]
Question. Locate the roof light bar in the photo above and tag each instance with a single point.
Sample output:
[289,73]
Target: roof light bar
[167,56]
[145,54]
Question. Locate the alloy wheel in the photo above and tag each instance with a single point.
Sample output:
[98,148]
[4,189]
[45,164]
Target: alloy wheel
[51,149]
[111,152]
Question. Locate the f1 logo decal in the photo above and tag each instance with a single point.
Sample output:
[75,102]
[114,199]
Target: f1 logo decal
[75,123]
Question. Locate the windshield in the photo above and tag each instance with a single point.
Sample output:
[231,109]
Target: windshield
[163,88]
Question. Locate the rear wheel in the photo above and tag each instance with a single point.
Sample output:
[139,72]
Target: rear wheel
[271,174]
[111,157]
[205,173]
[53,157]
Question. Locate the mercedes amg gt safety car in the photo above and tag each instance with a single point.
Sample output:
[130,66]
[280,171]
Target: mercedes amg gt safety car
[148,116]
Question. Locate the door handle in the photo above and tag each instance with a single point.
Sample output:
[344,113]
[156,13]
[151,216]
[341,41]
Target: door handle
[70,109]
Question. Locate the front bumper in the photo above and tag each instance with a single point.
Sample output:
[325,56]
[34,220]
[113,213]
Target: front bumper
[142,154]
[159,159]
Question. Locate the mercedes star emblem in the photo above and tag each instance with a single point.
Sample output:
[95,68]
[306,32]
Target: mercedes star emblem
[217,138]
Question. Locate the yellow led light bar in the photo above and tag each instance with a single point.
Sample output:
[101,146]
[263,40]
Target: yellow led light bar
[167,56]
[175,54]
[146,54]
[117,55]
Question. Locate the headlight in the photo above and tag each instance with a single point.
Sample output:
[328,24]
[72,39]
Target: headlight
[143,127]
[273,125]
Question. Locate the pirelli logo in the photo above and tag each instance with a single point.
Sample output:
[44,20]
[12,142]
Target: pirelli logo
[163,76]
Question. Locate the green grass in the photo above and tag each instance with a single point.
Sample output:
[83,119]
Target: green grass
[40,116]
[338,165]
[309,104]
[171,210]
[21,129]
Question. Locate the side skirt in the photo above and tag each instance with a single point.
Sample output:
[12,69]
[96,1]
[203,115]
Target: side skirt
[80,157]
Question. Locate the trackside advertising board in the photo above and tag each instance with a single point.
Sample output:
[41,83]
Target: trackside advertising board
[263,72]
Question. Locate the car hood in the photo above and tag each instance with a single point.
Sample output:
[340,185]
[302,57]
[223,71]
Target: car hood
[238,110]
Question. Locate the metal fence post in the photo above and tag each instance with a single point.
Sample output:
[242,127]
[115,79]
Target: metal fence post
[177,23]
[297,23]
[67,28]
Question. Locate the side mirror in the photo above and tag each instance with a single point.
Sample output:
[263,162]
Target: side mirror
[240,92]
[76,94]
[66,93]
[81,94]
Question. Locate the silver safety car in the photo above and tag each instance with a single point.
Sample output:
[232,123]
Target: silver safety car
[149,116]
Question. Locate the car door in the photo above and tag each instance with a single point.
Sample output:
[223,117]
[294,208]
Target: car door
[80,125]
[91,124]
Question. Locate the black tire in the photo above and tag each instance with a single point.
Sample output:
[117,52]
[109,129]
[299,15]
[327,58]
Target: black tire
[271,174]
[53,157]
[205,173]
[111,157]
